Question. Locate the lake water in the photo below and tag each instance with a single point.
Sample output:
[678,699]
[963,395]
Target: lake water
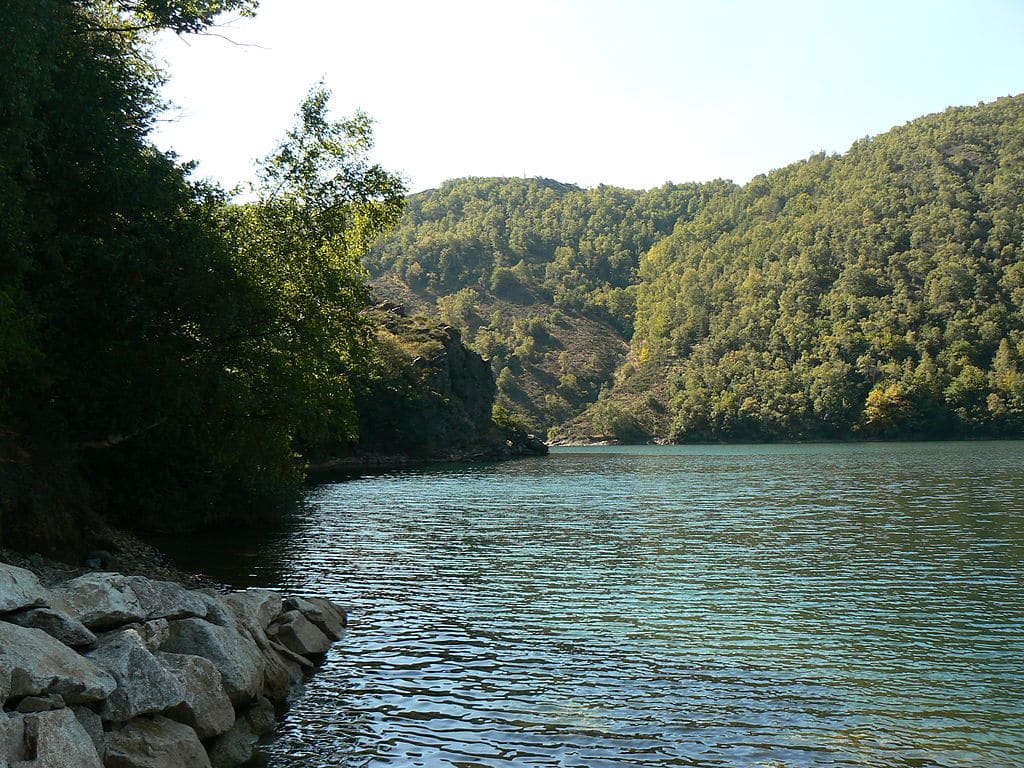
[800,605]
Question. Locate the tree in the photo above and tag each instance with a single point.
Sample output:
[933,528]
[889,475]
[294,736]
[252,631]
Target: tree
[319,204]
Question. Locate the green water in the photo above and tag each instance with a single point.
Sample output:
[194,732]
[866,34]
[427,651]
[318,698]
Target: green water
[812,605]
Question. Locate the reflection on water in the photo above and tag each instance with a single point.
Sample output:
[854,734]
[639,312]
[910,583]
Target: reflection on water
[828,605]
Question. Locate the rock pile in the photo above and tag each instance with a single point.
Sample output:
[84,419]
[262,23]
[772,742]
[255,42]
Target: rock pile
[128,672]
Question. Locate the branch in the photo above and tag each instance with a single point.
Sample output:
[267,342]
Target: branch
[111,441]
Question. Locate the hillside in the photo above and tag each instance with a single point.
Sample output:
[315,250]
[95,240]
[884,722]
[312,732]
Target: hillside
[538,276]
[874,294]
[871,294]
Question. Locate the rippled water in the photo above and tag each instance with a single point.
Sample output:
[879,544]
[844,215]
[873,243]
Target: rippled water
[825,605]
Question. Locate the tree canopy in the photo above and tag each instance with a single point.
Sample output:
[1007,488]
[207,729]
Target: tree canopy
[874,294]
[164,352]
[871,294]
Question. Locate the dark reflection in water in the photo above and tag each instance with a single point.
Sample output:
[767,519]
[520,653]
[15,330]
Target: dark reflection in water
[826,605]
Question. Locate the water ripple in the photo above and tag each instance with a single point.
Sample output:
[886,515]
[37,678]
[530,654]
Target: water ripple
[782,607]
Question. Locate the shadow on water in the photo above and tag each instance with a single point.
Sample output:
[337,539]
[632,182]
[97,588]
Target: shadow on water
[239,556]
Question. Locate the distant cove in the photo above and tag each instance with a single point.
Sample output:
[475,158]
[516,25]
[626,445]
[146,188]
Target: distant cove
[784,605]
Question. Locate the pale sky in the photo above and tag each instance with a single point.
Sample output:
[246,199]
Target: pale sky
[632,93]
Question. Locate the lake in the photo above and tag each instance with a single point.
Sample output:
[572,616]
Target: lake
[776,606]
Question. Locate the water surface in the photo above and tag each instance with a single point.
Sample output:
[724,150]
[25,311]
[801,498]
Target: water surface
[811,605]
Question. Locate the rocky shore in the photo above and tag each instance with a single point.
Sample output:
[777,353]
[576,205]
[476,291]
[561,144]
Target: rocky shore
[125,671]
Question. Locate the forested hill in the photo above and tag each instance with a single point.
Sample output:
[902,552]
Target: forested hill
[876,293]
[539,276]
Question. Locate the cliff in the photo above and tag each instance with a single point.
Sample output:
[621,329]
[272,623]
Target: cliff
[429,399]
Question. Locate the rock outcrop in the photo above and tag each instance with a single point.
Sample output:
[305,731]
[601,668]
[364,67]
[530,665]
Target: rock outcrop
[127,672]
[433,403]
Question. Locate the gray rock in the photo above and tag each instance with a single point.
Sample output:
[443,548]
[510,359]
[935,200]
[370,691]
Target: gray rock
[217,611]
[165,599]
[233,652]
[280,674]
[291,656]
[102,600]
[56,624]
[154,742]
[37,664]
[235,747]
[153,633]
[5,683]
[46,740]
[261,716]
[19,589]
[144,686]
[299,634]
[92,723]
[329,618]
[256,607]
[41,703]
[206,707]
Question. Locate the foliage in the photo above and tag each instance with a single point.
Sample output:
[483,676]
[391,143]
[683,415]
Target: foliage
[874,294]
[503,257]
[162,353]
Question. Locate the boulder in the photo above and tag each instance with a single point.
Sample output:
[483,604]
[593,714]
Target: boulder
[154,742]
[56,623]
[256,607]
[144,685]
[291,656]
[299,634]
[206,706]
[235,747]
[46,740]
[102,600]
[37,664]
[217,611]
[41,703]
[153,633]
[261,716]
[280,674]
[329,618]
[233,652]
[92,723]
[165,599]
[19,589]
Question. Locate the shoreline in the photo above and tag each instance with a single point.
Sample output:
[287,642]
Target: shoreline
[149,667]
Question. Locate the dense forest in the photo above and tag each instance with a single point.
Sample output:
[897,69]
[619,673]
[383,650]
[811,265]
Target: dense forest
[873,294]
[169,356]
[540,277]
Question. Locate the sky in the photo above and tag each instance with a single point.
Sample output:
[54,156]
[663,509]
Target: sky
[633,93]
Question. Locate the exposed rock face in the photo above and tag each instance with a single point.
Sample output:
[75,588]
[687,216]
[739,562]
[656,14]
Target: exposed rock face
[434,404]
[19,589]
[166,668]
